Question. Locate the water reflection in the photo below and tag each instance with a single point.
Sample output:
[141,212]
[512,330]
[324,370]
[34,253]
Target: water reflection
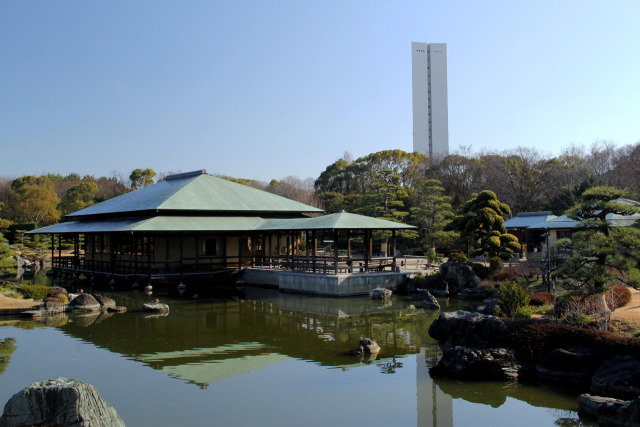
[245,345]
[203,342]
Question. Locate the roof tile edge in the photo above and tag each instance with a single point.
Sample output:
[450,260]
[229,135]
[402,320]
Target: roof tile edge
[186,174]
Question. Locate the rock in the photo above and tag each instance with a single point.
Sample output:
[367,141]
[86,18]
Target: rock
[611,412]
[53,307]
[83,302]
[430,302]
[617,377]
[571,367]
[117,309]
[458,276]
[466,329]
[62,402]
[155,306]
[489,306]
[480,364]
[367,346]
[105,302]
[473,294]
[381,293]
[59,289]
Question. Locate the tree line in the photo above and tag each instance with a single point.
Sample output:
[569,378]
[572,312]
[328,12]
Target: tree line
[391,184]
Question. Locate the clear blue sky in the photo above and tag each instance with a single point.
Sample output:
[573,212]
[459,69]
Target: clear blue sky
[266,89]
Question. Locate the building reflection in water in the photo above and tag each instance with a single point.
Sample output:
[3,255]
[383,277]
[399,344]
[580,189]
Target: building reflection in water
[204,342]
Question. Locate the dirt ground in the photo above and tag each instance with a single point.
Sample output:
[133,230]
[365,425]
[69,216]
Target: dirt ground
[10,303]
[626,320]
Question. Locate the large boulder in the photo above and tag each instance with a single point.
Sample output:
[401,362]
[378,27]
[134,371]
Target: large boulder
[571,367]
[473,294]
[480,364]
[611,412]
[617,377]
[83,302]
[458,276]
[430,302]
[381,293]
[367,346]
[462,328]
[59,402]
[105,302]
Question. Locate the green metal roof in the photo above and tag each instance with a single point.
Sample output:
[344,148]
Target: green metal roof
[197,191]
[337,221]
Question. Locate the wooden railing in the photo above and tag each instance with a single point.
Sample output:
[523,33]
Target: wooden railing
[318,264]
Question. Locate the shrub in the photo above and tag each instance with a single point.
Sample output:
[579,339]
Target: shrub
[479,269]
[541,298]
[621,295]
[35,292]
[512,297]
[458,257]
[523,313]
[576,318]
[504,275]
[496,264]
[59,296]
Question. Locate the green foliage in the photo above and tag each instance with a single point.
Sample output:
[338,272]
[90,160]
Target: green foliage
[523,313]
[576,318]
[32,200]
[481,221]
[432,256]
[141,178]
[512,297]
[35,292]
[480,270]
[78,197]
[458,257]
[432,211]
[496,264]
[601,254]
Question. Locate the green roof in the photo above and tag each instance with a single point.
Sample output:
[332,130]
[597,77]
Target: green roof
[337,221]
[197,192]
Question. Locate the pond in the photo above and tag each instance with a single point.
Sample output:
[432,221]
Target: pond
[266,358]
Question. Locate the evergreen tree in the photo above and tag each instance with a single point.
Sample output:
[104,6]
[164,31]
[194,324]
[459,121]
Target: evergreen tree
[432,212]
[481,221]
[602,254]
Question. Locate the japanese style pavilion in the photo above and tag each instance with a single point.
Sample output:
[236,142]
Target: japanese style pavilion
[196,226]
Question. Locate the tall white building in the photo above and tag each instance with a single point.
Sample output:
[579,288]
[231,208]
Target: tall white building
[430,106]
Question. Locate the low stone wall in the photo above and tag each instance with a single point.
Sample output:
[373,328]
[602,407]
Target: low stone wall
[338,285]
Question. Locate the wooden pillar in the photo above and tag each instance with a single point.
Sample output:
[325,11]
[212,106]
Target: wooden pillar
[135,255]
[314,243]
[270,251]
[335,250]
[239,254]
[393,264]
[253,250]
[59,245]
[224,251]
[196,253]
[149,256]
[181,257]
[367,250]
[53,248]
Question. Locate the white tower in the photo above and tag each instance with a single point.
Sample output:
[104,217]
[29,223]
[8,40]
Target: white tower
[430,105]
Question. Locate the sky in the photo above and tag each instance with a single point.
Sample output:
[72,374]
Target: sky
[268,89]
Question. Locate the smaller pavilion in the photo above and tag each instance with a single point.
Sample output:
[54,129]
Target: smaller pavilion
[196,228]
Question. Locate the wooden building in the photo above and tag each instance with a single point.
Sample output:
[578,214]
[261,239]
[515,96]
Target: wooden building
[194,226]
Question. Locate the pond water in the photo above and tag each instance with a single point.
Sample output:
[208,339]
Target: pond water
[266,358]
